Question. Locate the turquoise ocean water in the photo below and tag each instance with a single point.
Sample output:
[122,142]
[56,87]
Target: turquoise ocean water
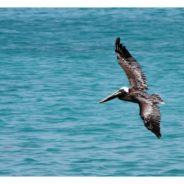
[56,64]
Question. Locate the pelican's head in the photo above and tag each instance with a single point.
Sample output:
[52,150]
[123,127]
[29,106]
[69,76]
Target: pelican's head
[121,91]
[125,89]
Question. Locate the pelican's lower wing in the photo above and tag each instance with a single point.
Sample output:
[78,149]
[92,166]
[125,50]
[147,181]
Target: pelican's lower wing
[150,114]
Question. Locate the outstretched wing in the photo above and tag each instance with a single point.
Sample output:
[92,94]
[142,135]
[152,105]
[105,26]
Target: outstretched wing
[150,114]
[131,67]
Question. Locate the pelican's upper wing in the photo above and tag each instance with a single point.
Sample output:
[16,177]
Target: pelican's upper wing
[150,114]
[131,67]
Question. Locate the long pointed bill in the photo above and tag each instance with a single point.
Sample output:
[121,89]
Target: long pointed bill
[114,95]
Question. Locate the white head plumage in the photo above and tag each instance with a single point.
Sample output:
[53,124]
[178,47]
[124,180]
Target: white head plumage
[126,89]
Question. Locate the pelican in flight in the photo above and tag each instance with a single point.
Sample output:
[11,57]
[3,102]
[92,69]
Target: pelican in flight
[136,93]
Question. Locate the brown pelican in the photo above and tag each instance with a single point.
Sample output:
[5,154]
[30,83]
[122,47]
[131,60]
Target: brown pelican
[148,104]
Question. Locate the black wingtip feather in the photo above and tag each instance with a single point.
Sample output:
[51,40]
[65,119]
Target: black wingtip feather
[120,49]
[117,41]
[159,136]
[156,131]
[117,44]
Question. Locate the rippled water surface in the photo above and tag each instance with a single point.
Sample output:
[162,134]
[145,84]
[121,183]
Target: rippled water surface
[56,64]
